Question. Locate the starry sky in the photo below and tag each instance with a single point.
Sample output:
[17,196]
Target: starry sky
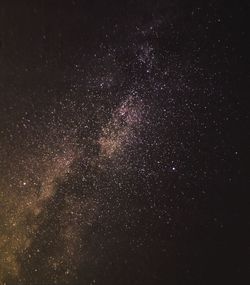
[123,150]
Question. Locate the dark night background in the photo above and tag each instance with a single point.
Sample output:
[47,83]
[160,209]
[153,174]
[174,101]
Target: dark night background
[182,218]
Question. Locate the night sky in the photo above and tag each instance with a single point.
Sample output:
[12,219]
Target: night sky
[123,142]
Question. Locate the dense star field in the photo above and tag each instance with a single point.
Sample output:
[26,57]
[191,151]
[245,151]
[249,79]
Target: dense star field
[123,154]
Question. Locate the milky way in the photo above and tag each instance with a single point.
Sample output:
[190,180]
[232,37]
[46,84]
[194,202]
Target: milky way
[116,156]
[26,204]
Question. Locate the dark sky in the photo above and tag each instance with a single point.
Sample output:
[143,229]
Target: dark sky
[123,142]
